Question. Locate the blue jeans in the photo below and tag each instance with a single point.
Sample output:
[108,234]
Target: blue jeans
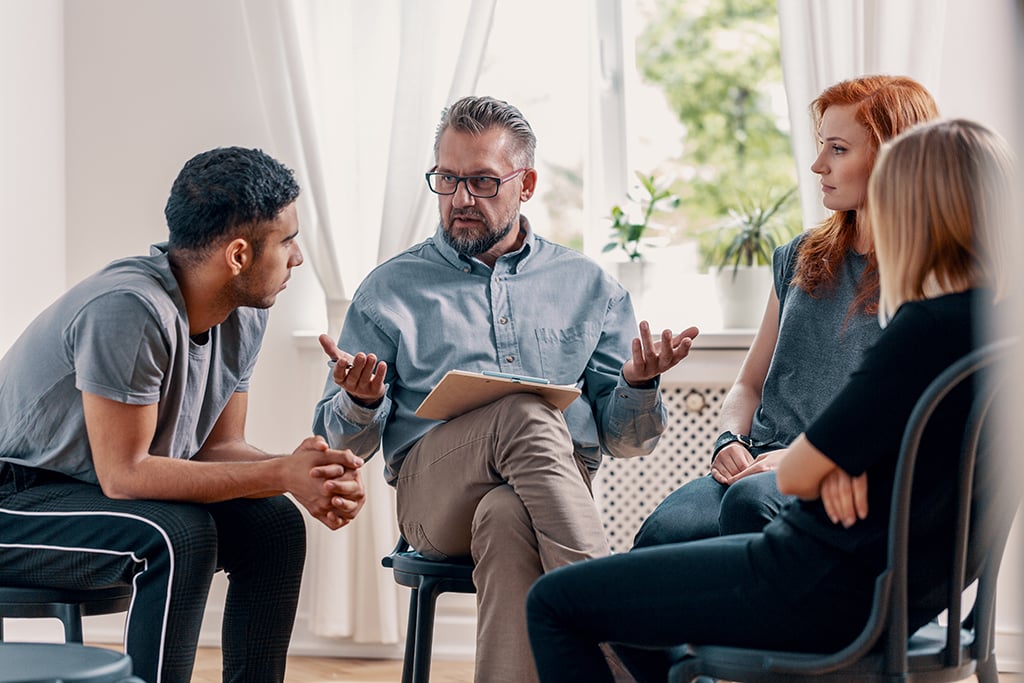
[703,508]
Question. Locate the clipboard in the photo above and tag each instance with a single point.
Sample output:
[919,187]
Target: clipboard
[460,391]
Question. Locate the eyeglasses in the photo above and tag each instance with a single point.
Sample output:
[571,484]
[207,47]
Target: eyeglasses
[482,186]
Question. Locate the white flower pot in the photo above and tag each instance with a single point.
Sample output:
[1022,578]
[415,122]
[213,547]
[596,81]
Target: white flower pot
[633,276]
[743,296]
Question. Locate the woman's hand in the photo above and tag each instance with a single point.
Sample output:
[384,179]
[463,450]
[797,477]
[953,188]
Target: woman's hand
[765,462]
[845,498]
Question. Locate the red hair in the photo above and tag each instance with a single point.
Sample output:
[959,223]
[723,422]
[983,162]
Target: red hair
[886,106]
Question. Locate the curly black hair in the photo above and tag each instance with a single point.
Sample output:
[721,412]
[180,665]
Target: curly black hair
[225,190]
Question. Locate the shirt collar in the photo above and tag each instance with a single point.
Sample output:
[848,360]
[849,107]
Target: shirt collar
[517,257]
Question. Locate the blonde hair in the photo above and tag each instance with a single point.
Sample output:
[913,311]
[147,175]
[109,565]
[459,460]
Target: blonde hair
[885,106]
[940,200]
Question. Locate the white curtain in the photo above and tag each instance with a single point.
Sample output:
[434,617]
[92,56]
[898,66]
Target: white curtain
[826,41]
[352,92]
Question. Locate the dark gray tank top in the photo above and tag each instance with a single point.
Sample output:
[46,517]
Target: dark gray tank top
[820,343]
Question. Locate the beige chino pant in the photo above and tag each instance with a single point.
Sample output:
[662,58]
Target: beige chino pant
[501,483]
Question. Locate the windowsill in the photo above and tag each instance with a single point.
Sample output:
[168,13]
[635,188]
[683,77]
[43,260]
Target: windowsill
[726,340]
[675,295]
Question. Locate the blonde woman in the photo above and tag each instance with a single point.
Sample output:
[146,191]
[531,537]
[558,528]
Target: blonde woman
[938,210]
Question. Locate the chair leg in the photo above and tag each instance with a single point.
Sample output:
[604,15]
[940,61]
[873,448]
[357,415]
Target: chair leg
[426,598]
[987,672]
[72,620]
[408,662]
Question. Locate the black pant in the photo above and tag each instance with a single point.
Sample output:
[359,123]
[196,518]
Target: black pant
[56,531]
[764,590]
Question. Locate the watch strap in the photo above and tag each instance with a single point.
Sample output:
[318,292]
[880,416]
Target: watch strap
[727,437]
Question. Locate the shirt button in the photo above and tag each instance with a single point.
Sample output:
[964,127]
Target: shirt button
[510,358]
[503,320]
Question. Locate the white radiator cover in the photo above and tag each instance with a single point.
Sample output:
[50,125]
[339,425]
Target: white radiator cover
[626,490]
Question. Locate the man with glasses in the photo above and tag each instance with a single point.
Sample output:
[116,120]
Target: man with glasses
[508,483]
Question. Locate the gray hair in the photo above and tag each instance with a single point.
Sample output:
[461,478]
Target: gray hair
[477,114]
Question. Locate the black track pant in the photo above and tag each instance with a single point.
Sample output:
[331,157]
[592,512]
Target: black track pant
[58,532]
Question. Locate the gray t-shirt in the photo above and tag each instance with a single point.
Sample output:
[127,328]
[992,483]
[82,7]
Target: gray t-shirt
[121,334]
[820,343]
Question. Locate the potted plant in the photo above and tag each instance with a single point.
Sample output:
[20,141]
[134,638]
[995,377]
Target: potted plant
[629,234]
[741,256]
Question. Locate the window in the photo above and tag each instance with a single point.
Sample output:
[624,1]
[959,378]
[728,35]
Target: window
[689,91]
[537,60]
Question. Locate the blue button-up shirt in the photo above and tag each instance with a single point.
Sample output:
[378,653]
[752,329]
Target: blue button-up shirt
[544,310]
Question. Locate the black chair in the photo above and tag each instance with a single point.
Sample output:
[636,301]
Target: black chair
[65,604]
[63,663]
[427,579]
[883,651]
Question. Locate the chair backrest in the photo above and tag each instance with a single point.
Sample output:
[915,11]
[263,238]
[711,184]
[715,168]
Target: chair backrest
[888,623]
[981,522]
[982,516]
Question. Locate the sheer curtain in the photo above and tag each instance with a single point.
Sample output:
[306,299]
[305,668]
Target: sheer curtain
[352,92]
[826,41]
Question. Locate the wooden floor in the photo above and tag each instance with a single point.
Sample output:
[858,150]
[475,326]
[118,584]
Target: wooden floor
[320,669]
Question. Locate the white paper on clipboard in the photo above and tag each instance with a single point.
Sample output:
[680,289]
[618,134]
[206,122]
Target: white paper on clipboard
[460,391]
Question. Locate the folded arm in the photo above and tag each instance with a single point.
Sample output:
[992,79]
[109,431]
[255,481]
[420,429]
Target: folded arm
[808,473]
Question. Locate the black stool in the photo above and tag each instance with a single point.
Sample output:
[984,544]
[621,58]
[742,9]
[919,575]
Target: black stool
[63,663]
[428,579]
[65,604]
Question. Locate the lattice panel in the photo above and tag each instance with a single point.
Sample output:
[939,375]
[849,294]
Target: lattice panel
[628,489]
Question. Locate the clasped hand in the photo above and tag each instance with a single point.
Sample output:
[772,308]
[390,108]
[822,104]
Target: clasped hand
[327,482]
[734,462]
[651,358]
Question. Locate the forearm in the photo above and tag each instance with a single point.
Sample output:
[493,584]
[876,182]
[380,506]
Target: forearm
[232,451]
[737,412]
[161,478]
[802,470]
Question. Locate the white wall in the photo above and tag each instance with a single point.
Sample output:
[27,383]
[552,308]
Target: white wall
[32,167]
[150,84]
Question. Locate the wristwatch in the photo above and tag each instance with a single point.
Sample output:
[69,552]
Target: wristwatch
[727,438]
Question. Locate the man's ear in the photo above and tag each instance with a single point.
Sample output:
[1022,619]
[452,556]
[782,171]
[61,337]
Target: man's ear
[529,184]
[237,255]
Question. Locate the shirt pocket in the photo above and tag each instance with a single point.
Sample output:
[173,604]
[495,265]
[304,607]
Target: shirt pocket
[565,352]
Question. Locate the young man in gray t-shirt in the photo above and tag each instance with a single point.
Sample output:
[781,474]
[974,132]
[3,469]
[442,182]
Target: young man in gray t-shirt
[122,414]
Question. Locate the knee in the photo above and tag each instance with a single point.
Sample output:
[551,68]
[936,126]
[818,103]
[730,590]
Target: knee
[501,526]
[263,531]
[654,530]
[749,504]
[687,514]
[286,533]
[499,512]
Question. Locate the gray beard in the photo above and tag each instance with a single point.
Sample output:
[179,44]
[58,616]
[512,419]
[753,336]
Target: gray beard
[478,246]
